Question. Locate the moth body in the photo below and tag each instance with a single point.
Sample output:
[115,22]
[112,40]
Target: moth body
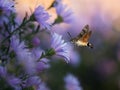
[82,39]
[80,43]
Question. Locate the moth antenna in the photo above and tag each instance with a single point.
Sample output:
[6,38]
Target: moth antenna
[69,34]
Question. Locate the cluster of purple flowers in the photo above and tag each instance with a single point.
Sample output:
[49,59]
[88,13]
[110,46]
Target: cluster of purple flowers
[24,61]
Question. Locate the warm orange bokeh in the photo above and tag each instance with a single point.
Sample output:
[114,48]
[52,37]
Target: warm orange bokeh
[108,10]
[29,5]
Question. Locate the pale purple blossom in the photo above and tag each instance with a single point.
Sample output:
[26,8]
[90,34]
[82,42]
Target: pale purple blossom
[6,7]
[43,86]
[33,81]
[14,82]
[35,41]
[72,83]
[36,82]
[60,47]
[106,67]
[23,55]
[37,53]
[43,63]
[63,12]
[3,72]
[58,0]
[75,58]
[42,16]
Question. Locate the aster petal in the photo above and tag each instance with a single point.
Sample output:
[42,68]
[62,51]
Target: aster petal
[60,46]
[72,83]
[65,56]
[56,40]
[65,13]
[42,17]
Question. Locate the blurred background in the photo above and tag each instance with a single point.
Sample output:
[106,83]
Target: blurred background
[98,68]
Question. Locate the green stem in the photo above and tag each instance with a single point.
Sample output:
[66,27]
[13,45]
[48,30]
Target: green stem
[58,20]
[48,53]
[17,29]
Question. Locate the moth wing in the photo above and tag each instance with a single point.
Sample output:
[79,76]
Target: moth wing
[86,28]
[86,36]
[84,31]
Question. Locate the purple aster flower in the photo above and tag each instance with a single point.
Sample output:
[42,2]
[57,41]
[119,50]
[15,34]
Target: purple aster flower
[6,7]
[24,56]
[72,83]
[64,14]
[41,16]
[60,47]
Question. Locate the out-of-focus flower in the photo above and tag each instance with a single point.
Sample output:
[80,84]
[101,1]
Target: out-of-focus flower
[72,83]
[24,56]
[106,68]
[36,41]
[74,58]
[14,82]
[37,53]
[118,54]
[43,86]
[33,81]
[43,63]
[61,48]
[64,14]
[3,72]
[6,7]
[42,16]
[36,82]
